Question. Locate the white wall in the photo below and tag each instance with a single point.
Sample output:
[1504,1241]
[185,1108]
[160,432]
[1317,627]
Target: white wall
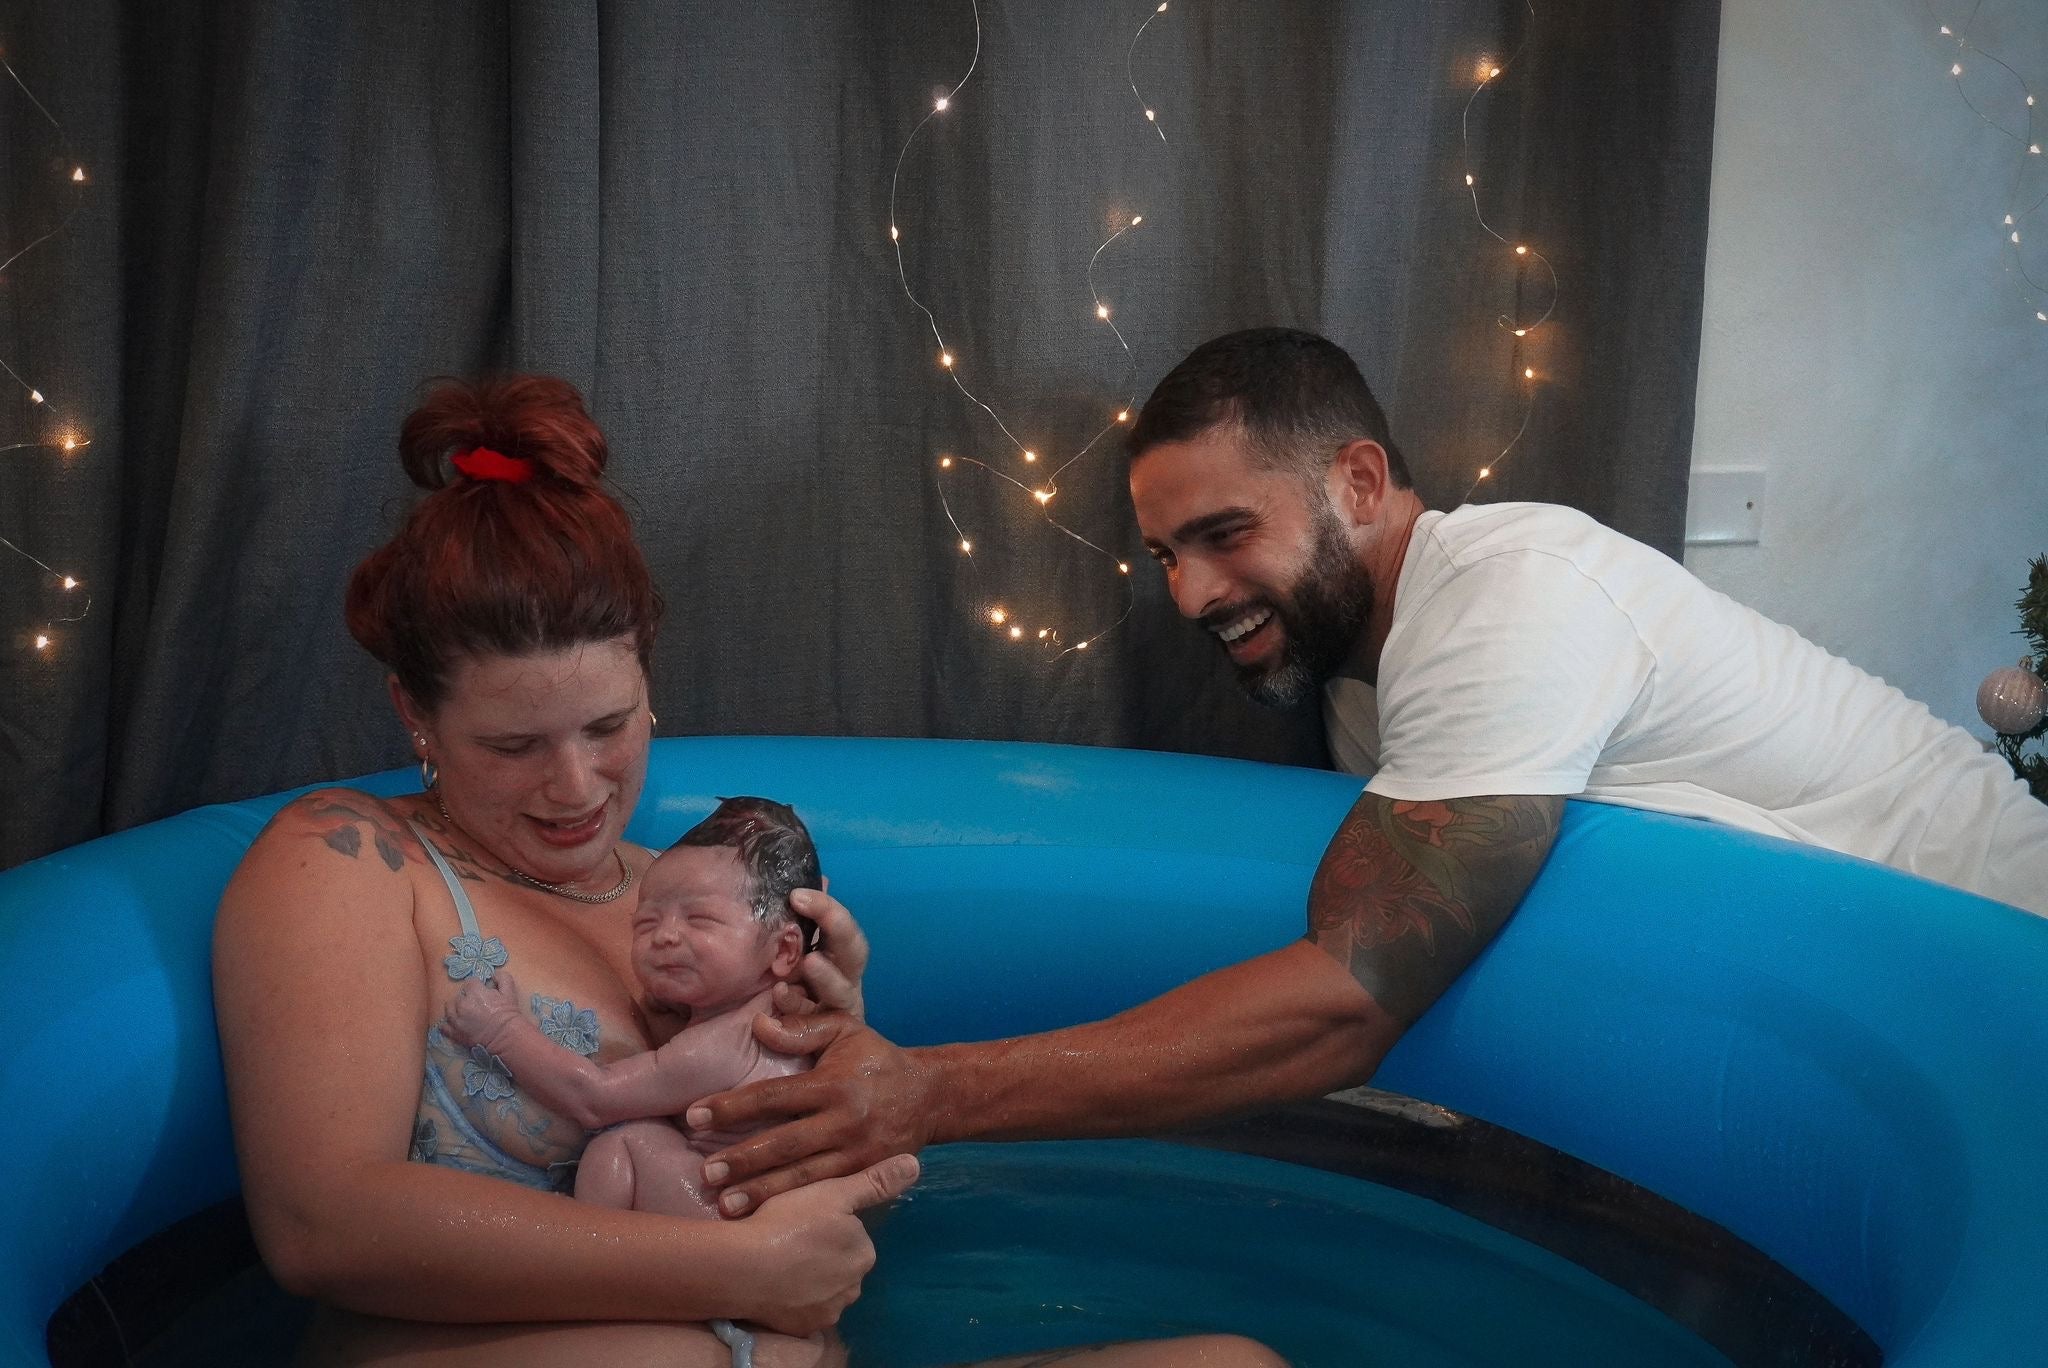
[1864,343]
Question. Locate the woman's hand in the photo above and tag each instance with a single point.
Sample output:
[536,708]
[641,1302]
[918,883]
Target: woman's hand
[813,1249]
[833,971]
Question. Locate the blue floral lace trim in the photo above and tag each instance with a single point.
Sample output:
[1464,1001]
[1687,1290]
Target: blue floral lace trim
[561,1022]
[474,955]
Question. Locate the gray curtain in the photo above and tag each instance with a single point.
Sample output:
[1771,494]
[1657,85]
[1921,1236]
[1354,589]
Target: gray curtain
[297,212]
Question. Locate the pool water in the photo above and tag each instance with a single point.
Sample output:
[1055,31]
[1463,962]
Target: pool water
[1007,1248]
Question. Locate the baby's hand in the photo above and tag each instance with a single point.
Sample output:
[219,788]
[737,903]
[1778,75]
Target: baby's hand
[483,1010]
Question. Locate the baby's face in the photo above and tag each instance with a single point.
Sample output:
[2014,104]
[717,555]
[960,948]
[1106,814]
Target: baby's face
[695,941]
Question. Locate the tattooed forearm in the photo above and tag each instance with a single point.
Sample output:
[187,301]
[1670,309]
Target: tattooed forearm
[1408,893]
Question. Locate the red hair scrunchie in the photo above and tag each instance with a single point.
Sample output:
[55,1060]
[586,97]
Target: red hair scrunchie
[482,463]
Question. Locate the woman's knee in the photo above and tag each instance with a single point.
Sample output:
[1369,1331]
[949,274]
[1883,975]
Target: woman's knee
[1235,1351]
[1201,1351]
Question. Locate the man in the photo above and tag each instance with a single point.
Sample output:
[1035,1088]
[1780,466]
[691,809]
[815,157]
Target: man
[1482,665]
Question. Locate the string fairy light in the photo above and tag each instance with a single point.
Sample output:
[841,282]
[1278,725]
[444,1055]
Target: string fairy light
[64,436]
[1486,72]
[1044,490]
[2032,292]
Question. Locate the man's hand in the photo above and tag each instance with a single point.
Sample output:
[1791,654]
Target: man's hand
[863,1101]
[484,1010]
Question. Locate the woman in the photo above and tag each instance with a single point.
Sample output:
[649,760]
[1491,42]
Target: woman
[402,1181]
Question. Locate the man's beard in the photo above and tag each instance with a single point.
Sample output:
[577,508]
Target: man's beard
[1323,617]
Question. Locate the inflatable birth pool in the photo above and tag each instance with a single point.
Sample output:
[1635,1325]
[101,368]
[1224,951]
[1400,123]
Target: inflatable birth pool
[1838,1070]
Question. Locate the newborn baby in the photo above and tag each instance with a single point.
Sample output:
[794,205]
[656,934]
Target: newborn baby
[713,935]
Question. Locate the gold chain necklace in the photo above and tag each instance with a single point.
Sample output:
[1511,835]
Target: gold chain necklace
[625,870]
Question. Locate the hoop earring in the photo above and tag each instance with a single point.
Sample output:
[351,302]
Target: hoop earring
[430,774]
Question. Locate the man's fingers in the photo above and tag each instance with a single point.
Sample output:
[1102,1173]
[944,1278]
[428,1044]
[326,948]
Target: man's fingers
[804,1035]
[792,1001]
[780,1147]
[754,1105]
[741,1198]
[838,933]
[831,988]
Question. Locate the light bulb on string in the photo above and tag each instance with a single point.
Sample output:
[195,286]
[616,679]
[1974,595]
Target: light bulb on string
[1489,69]
[66,440]
[959,368]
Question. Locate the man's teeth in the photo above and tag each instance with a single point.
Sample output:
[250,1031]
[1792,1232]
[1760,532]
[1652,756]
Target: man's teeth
[1250,622]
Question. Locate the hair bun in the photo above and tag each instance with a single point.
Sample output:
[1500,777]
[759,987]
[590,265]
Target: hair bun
[537,418]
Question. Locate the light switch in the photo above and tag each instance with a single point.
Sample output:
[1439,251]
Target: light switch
[1724,505]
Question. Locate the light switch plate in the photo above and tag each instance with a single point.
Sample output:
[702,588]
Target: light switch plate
[1725,506]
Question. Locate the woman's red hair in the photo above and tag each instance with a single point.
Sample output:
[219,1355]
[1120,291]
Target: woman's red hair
[491,567]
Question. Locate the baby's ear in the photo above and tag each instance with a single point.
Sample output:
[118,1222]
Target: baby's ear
[789,951]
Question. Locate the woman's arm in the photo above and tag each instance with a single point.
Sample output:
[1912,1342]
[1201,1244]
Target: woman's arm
[323,1086]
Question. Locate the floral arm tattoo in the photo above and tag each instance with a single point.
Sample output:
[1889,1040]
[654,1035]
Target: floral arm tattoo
[1409,893]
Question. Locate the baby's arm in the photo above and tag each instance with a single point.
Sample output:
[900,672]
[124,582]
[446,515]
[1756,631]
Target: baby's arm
[658,1082]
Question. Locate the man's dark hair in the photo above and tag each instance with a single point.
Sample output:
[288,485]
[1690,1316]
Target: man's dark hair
[774,848]
[1297,396]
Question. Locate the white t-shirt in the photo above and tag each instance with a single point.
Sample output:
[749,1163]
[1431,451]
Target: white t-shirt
[1535,651]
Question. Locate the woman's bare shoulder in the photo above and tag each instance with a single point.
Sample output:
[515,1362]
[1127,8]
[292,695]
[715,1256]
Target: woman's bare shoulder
[348,822]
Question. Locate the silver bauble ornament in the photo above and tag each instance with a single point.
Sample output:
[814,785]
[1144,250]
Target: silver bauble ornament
[2012,700]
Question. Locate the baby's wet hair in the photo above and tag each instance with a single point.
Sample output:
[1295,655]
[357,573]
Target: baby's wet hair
[774,848]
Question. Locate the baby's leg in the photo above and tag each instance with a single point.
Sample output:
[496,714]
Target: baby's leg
[645,1166]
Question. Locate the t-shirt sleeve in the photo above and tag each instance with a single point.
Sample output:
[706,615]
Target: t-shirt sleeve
[1509,678]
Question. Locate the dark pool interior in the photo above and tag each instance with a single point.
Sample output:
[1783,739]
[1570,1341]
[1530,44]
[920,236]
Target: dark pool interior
[1464,1244]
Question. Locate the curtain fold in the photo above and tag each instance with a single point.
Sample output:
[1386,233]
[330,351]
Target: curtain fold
[299,213]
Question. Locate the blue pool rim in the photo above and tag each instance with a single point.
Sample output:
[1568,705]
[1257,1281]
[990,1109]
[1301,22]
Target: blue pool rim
[1837,1063]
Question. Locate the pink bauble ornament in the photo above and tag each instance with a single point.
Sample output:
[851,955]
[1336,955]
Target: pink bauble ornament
[2012,700]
